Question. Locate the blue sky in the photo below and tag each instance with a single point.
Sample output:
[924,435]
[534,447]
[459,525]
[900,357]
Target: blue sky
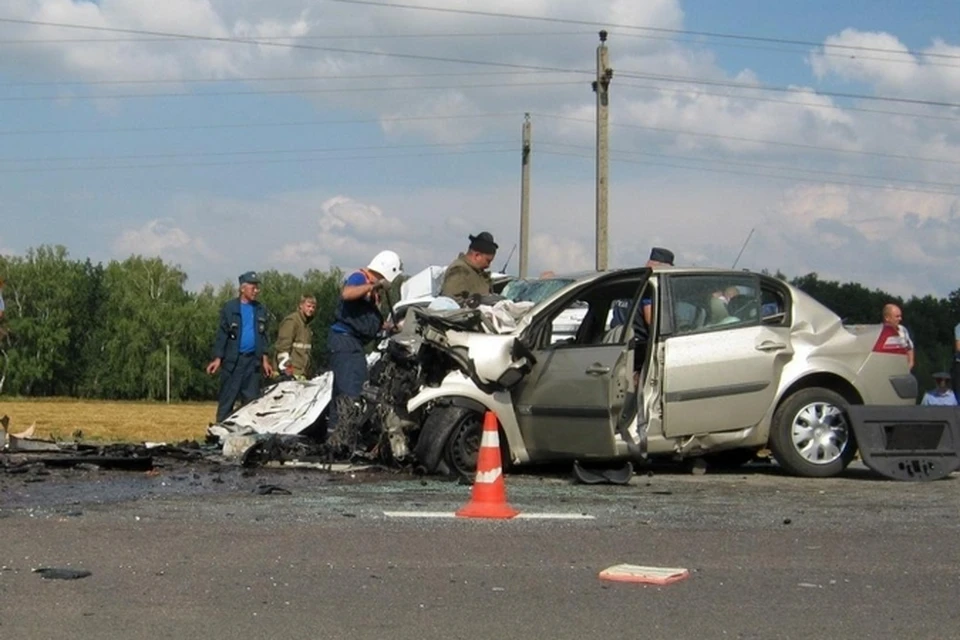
[368,152]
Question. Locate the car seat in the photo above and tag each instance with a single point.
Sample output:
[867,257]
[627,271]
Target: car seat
[743,307]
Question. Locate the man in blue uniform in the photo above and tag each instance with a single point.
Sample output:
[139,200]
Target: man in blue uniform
[357,322]
[240,347]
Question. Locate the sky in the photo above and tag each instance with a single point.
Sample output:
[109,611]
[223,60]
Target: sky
[810,135]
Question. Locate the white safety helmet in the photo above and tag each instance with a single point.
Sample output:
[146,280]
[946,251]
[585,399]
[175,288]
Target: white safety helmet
[387,264]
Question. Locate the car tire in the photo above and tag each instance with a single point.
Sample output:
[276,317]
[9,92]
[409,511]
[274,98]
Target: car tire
[811,434]
[463,446]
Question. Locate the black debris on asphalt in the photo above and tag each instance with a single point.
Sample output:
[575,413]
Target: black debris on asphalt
[60,573]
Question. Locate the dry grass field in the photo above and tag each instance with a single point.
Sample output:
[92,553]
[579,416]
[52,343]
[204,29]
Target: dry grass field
[110,421]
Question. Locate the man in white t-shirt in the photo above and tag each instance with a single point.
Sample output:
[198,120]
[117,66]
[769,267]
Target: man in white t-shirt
[893,317]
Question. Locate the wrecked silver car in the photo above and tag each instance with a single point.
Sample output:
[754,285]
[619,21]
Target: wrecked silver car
[731,362]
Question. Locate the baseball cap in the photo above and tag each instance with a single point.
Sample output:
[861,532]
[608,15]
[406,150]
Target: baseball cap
[250,277]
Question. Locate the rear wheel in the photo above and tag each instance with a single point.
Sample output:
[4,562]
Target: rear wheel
[811,434]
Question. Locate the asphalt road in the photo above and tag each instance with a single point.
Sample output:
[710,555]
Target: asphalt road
[194,552]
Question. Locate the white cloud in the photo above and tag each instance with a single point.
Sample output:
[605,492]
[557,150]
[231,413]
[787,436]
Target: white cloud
[161,238]
[561,255]
[300,256]
[894,69]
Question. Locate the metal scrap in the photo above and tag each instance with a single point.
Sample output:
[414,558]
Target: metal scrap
[60,573]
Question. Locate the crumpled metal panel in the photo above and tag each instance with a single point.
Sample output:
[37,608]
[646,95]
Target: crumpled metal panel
[288,407]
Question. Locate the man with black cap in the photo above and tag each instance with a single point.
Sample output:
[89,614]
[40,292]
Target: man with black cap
[240,347]
[942,395]
[468,275]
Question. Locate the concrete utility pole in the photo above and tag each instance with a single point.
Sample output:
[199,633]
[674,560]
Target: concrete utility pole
[601,86]
[168,373]
[525,196]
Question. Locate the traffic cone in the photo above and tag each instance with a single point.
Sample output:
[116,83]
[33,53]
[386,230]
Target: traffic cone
[488,498]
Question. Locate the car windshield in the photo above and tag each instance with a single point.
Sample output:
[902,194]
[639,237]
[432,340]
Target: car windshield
[534,290]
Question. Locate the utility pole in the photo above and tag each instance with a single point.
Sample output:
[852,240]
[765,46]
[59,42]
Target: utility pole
[168,373]
[601,86]
[525,196]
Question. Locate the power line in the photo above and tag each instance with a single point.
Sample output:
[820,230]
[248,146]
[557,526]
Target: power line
[626,74]
[492,34]
[339,76]
[795,103]
[356,36]
[705,34]
[742,85]
[244,125]
[758,47]
[242,152]
[794,145]
[759,165]
[284,45]
[752,174]
[258,92]
[492,115]
[257,162]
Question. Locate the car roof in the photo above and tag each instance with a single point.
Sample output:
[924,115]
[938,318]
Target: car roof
[585,276]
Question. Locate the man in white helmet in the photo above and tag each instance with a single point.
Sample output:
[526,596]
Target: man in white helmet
[357,322]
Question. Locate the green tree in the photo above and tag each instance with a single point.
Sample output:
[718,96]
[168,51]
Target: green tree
[48,299]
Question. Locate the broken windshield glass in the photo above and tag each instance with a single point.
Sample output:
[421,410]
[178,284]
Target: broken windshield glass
[534,290]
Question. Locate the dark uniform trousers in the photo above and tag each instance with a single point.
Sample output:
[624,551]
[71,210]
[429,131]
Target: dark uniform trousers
[242,381]
[349,365]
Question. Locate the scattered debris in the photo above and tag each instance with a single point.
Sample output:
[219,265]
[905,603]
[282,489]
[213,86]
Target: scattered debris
[59,573]
[643,575]
[272,490]
[100,462]
[602,476]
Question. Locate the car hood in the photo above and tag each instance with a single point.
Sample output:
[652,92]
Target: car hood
[466,339]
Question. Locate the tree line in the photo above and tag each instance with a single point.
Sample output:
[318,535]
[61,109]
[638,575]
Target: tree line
[75,328]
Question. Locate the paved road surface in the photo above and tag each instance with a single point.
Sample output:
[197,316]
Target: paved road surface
[192,553]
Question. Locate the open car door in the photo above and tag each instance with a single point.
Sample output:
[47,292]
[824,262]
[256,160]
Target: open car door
[569,404]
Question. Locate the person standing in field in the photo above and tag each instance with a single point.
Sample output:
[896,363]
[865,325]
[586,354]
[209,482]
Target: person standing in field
[240,347]
[295,340]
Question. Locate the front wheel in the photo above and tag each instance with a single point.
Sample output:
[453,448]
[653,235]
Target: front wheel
[463,445]
[811,434]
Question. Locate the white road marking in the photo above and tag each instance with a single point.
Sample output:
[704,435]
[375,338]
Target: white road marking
[527,516]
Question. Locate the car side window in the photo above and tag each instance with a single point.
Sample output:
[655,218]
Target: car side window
[714,302]
[598,315]
[567,324]
[773,306]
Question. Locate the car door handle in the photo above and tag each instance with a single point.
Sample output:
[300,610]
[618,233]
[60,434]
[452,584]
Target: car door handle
[597,369]
[770,345]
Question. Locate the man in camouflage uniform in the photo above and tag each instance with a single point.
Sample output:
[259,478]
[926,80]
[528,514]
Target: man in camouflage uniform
[295,340]
[467,275]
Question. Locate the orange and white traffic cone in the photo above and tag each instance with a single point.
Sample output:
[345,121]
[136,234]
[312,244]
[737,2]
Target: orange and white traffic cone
[488,498]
